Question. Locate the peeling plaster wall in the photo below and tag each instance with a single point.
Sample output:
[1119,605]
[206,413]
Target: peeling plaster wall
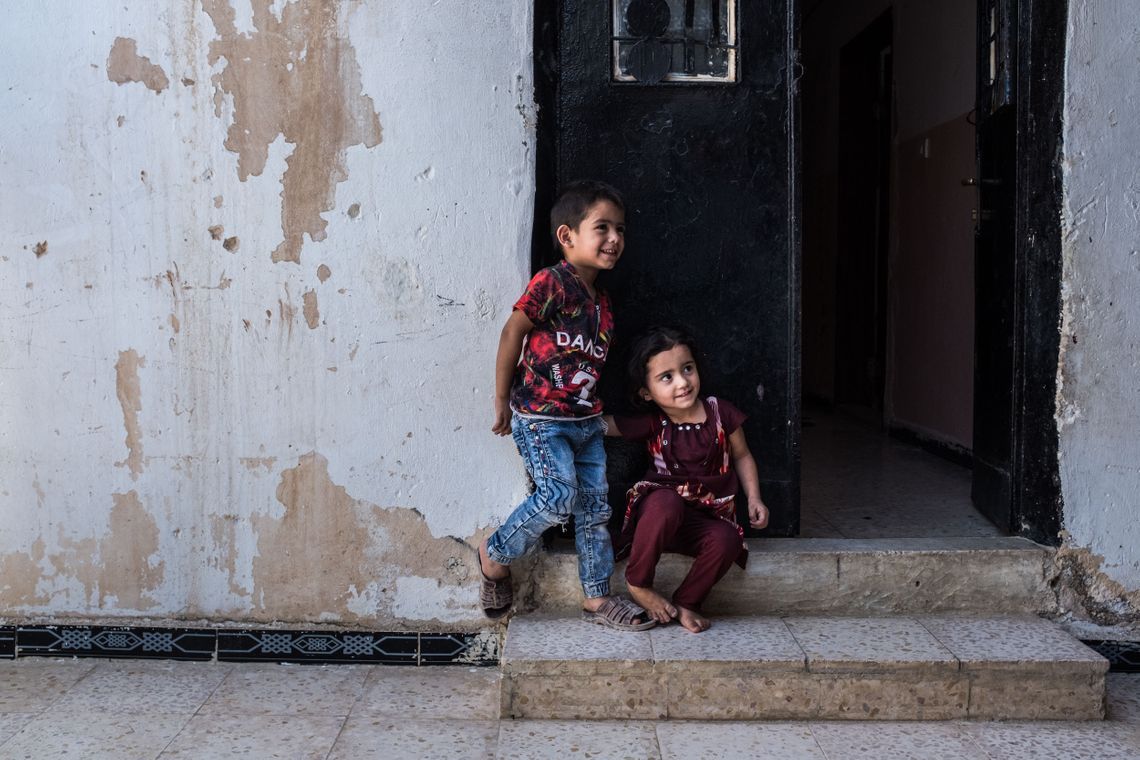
[1099,385]
[256,257]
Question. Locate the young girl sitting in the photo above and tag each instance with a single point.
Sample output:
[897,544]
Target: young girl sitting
[685,503]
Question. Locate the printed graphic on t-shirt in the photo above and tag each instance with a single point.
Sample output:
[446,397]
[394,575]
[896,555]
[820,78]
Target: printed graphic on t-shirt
[566,348]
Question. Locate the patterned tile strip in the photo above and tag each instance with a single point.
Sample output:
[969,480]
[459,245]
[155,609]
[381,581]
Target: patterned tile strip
[395,648]
[7,642]
[1122,656]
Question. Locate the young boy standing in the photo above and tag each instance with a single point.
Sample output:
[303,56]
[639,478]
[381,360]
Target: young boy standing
[562,326]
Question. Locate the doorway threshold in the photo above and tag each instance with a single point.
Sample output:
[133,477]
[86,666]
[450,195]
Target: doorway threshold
[859,482]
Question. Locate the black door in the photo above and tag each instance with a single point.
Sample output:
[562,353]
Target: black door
[706,165]
[1021,46]
[995,257]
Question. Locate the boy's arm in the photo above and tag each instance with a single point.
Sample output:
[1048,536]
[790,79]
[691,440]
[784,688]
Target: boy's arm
[749,478]
[510,346]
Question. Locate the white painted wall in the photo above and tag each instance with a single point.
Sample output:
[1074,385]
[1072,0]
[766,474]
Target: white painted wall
[192,482]
[1099,395]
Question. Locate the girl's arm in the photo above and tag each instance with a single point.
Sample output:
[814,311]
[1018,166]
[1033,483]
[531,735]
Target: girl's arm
[749,478]
[611,426]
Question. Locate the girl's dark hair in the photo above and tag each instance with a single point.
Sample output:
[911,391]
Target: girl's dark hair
[648,344]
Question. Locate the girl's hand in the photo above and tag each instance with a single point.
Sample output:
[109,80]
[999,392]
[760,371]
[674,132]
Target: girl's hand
[757,513]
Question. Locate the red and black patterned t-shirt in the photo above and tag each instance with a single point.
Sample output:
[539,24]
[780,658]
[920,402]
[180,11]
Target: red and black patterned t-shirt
[566,348]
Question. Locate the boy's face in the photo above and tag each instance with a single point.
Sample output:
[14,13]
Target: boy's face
[599,239]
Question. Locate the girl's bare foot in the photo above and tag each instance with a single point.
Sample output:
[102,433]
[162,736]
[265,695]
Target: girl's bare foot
[693,621]
[656,605]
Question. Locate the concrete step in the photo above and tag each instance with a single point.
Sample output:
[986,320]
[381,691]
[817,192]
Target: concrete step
[945,667]
[804,576]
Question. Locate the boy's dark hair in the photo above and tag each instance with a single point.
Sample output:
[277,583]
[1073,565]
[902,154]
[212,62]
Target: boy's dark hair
[575,199]
[650,342]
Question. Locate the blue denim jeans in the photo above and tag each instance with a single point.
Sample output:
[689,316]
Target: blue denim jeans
[567,461]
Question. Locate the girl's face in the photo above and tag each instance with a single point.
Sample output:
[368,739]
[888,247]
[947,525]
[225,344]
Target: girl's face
[672,381]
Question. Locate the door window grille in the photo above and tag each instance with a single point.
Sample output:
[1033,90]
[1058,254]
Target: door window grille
[674,41]
[997,54]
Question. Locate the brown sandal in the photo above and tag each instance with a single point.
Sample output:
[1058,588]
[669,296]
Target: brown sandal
[496,596]
[621,614]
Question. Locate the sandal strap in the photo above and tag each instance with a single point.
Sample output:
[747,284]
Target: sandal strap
[496,594]
[620,610]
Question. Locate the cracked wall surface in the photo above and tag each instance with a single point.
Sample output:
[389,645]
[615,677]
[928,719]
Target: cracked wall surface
[255,258]
[1098,403]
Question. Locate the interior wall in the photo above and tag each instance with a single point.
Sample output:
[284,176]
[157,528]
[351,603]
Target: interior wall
[930,328]
[256,260]
[930,367]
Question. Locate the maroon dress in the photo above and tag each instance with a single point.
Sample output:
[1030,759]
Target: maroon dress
[692,486]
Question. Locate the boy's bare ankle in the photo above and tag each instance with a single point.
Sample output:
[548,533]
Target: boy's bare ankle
[489,567]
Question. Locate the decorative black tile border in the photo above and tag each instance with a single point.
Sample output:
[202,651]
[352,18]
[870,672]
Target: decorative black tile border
[1122,656]
[459,648]
[318,647]
[251,645]
[7,642]
[115,641]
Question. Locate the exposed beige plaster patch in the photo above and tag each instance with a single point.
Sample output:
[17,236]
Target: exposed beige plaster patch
[20,576]
[1087,592]
[253,463]
[329,550]
[231,243]
[175,324]
[124,64]
[129,393]
[40,249]
[297,77]
[323,272]
[312,313]
[116,567]
[216,231]
[223,531]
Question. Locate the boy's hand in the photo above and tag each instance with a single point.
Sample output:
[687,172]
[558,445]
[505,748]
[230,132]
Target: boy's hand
[502,423]
[757,514]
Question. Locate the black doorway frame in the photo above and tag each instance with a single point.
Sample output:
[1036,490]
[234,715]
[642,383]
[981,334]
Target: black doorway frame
[1041,29]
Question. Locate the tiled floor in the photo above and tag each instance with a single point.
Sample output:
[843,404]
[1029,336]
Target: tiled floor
[858,482]
[134,709]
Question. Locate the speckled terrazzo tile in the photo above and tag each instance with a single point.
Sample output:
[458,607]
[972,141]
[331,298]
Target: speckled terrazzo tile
[1050,741]
[574,647]
[761,741]
[427,693]
[1124,698]
[731,645]
[558,740]
[896,741]
[1011,695]
[397,738]
[614,696]
[103,734]
[260,736]
[273,689]
[141,685]
[904,695]
[33,685]
[755,696]
[10,725]
[860,645]
[1013,643]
